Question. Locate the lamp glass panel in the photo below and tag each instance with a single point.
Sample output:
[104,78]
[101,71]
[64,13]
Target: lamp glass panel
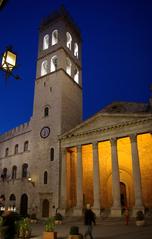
[8,60]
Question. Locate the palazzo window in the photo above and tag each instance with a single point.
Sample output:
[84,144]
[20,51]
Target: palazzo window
[54,63]
[6,152]
[26,146]
[4,174]
[45,177]
[68,66]
[16,149]
[76,50]
[12,200]
[69,40]
[54,37]
[44,68]
[76,76]
[14,172]
[24,170]
[46,42]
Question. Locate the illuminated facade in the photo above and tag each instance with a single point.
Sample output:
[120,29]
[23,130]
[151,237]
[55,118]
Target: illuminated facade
[107,161]
[56,160]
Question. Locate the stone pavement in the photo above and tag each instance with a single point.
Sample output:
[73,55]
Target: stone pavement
[109,228]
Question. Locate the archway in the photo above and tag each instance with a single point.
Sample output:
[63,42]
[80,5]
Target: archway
[45,208]
[24,205]
[123,195]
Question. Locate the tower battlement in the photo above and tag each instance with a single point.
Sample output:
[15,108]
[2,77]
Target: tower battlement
[21,129]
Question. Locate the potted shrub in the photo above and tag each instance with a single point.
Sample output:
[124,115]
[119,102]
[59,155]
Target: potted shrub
[140,218]
[58,218]
[24,228]
[49,232]
[74,233]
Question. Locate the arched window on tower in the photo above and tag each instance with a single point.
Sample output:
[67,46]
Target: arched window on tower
[52,154]
[45,177]
[76,50]
[26,143]
[44,68]
[14,172]
[68,66]
[6,152]
[46,42]
[54,37]
[69,40]
[16,149]
[76,76]
[46,111]
[24,170]
[54,63]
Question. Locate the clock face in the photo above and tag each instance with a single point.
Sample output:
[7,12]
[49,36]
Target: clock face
[45,131]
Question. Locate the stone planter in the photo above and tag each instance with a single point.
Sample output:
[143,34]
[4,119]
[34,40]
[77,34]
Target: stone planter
[140,223]
[58,222]
[74,237]
[49,235]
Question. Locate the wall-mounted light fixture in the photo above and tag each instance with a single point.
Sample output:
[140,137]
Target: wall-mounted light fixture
[31,181]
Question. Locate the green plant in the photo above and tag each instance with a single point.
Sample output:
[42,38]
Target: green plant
[140,216]
[24,228]
[50,224]
[58,217]
[74,230]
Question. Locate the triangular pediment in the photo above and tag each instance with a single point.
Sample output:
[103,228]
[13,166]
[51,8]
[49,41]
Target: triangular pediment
[105,120]
[113,115]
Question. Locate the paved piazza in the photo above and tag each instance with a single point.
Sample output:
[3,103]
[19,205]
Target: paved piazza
[104,229]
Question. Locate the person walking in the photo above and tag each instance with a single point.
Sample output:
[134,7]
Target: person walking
[89,219]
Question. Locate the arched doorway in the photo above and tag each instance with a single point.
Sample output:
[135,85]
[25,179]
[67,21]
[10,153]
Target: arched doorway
[24,205]
[123,195]
[45,208]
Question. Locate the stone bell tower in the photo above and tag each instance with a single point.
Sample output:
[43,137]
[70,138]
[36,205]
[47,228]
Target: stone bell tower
[57,100]
[58,83]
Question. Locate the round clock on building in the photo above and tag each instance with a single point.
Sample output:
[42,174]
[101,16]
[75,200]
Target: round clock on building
[45,131]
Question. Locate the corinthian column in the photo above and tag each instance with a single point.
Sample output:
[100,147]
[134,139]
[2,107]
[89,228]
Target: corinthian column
[96,179]
[116,207]
[79,191]
[63,196]
[136,174]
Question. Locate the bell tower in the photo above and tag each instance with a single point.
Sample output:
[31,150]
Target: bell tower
[58,86]
[57,101]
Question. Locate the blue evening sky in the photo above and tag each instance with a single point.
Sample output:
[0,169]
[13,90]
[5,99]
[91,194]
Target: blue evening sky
[117,53]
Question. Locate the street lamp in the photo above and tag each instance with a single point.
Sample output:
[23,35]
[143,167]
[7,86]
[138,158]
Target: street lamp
[9,63]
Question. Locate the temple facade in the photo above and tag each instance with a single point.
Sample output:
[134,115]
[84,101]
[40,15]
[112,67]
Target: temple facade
[56,160]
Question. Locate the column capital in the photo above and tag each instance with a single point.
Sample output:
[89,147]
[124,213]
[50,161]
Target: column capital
[113,141]
[95,145]
[133,138]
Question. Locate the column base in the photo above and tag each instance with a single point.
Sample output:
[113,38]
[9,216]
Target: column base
[77,211]
[96,211]
[115,212]
[136,209]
